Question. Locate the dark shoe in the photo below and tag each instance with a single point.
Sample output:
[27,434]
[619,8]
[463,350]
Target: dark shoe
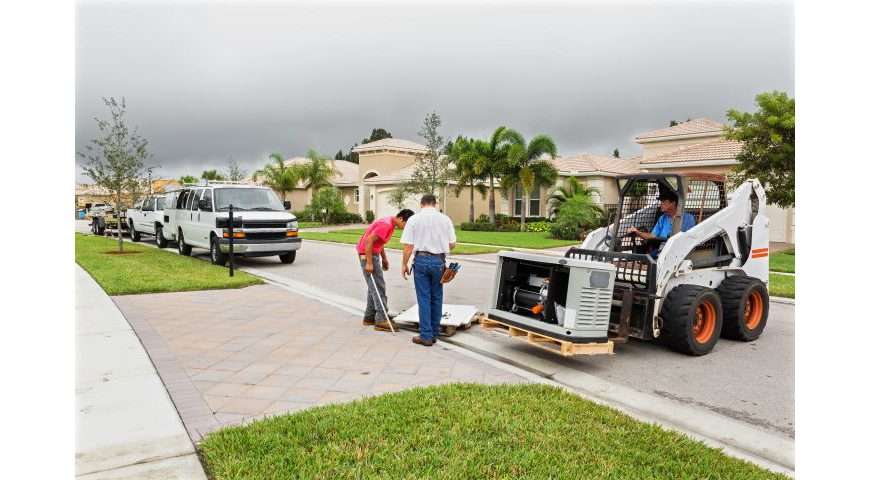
[368,322]
[421,341]
[383,327]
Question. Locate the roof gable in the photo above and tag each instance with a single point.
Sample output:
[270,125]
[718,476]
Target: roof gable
[692,128]
[390,144]
[590,164]
[699,153]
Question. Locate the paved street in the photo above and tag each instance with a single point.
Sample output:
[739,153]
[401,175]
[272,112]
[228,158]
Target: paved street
[753,382]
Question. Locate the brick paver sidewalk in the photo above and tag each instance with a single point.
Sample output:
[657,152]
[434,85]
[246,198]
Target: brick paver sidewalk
[227,356]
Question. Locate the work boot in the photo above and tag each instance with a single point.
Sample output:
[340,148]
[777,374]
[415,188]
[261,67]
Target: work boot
[383,326]
[368,322]
[421,341]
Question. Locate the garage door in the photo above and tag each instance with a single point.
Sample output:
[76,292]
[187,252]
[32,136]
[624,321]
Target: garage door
[384,208]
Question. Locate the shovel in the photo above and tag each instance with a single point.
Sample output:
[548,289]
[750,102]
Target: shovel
[381,301]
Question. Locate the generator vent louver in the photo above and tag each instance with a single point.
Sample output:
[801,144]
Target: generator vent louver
[594,308]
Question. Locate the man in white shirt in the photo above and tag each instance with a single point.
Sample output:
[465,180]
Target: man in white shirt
[429,235]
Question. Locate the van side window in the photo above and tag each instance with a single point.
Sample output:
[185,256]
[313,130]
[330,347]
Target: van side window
[182,197]
[195,199]
[206,195]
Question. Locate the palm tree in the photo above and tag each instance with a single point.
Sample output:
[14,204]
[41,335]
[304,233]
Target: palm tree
[564,192]
[317,172]
[491,161]
[279,176]
[464,155]
[528,167]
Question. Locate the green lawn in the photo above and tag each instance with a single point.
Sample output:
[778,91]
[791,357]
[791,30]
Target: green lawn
[781,285]
[310,224]
[150,270]
[351,236]
[536,240]
[464,431]
[782,261]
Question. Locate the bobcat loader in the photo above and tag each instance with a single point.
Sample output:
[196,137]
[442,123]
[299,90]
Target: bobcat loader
[685,290]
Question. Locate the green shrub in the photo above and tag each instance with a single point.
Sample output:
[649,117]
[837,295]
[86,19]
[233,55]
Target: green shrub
[325,205]
[565,231]
[489,227]
[576,216]
[538,227]
[345,217]
[370,216]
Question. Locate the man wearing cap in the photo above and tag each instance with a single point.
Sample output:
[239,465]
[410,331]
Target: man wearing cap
[373,260]
[429,235]
[663,227]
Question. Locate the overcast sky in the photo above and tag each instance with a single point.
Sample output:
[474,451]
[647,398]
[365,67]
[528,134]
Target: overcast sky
[206,82]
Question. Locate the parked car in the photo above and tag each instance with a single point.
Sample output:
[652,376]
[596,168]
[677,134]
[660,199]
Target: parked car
[147,218]
[198,217]
[104,218]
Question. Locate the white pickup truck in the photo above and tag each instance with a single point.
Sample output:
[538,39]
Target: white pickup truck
[197,216]
[148,218]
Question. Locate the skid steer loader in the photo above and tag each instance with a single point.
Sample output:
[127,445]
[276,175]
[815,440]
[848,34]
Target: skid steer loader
[684,290]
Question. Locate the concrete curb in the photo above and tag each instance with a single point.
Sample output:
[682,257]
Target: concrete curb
[736,438]
[787,301]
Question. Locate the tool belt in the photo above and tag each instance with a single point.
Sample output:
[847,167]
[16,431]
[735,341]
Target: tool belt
[421,253]
[449,272]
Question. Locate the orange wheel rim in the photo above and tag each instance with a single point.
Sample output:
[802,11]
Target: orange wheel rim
[705,322]
[753,310]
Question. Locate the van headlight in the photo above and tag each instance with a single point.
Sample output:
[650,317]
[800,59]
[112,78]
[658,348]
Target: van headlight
[294,225]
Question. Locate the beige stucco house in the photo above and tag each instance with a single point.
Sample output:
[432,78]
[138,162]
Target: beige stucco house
[345,181]
[700,146]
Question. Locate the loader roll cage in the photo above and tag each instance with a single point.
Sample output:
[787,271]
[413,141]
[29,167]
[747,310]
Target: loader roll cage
[699,194]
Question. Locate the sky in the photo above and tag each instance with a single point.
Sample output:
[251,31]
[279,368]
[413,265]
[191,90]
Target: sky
[210,82]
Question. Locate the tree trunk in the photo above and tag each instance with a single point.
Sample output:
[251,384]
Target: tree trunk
[523,212]
[491,199]
[118,223]
[471,210]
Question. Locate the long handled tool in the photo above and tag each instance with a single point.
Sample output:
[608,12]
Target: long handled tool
[381,301]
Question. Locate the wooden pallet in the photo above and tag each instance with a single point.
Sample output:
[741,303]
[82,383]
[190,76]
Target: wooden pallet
[562,347]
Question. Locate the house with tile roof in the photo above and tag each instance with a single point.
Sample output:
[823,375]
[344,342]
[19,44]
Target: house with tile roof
[700,146]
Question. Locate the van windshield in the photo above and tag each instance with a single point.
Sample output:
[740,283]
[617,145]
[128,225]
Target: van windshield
[161,202]
[262,199]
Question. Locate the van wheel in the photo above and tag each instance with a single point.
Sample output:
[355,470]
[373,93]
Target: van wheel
[745,304]
[159,238]
[183,248]
[288,257]
[134,235]
[217,257]
[692,319]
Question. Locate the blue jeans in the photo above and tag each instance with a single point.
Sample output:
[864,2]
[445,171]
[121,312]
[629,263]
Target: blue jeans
[430,294]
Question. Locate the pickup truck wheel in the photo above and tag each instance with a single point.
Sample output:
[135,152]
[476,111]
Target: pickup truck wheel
[134,235]
[217,257]
[183,248]
[745,304]
[288,257]
[692,319]
[159,238]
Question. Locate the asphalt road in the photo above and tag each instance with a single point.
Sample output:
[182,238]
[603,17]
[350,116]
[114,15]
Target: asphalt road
[751,382]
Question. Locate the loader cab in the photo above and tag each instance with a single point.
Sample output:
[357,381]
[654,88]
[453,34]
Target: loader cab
[698,195]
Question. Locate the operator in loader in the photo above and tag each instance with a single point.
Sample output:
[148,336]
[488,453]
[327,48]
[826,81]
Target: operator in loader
[373,260]
[662,229]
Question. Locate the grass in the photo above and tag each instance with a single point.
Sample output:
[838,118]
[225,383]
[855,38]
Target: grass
[782,261]
[781,286]
[464,431]
[352,236]
[310,224]
[150,270]
[534,240]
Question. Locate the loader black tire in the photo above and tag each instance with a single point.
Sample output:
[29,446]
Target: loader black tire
[745,305]
[692,319]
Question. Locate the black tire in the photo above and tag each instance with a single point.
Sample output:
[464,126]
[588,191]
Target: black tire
[134,235]
[745,304]
[692,319]
[288,257]
[217,257]
[159,238]
[183,248]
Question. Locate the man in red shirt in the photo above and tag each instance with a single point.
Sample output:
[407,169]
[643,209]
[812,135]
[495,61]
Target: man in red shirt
[373,260]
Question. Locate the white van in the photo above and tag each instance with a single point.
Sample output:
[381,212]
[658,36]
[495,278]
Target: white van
[198,217]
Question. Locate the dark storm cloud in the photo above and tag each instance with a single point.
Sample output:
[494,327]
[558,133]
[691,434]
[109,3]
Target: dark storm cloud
[207,82]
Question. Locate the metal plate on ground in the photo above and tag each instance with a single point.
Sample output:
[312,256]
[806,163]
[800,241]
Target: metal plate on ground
[451,315]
